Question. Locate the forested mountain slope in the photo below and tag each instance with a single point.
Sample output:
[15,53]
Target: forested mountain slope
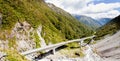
[27,24]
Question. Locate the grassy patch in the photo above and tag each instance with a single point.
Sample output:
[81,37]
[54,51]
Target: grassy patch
[13,55]
[12,42]
[72,53]
[37,40]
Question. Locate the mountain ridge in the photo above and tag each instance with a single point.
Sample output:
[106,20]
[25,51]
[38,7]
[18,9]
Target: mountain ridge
[104,21]
[90,22]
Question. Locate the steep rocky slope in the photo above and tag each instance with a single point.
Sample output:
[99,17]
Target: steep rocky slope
[109,47]
[28,24]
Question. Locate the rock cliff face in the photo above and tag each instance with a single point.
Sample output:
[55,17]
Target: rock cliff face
[23,37]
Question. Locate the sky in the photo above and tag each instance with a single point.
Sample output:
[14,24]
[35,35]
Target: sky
[92,8]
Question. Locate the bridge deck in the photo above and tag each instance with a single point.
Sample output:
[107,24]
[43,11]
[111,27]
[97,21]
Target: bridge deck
[50,47]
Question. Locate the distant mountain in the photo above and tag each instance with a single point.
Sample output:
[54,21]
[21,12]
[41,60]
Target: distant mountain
[92,23]
[110,28]
[103,21]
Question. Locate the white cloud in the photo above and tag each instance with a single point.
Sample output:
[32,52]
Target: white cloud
[101,7]
[87,7]
[109,14]
[69,5]
[56,2]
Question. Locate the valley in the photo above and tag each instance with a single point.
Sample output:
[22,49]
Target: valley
[36,30]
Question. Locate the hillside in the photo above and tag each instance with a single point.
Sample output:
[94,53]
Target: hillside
[30,24]
[90,22]
[110,28]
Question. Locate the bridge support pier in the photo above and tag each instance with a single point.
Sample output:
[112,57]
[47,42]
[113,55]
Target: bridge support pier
[53,51]
[81,43]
